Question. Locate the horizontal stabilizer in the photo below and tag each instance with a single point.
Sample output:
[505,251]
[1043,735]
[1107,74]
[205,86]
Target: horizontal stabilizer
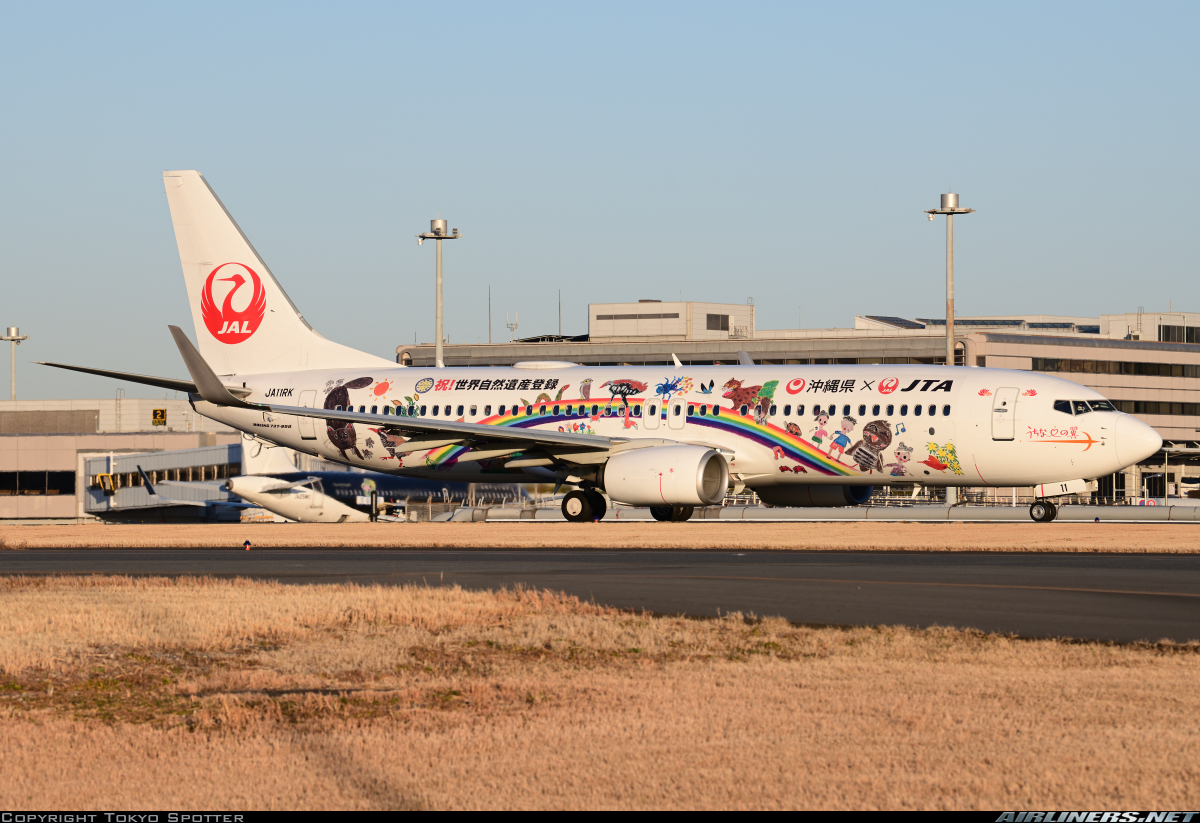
[208,385]
[144,379]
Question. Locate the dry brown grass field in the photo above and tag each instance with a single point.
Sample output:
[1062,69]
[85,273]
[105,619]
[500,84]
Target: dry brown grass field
[201,693]
[1032,537]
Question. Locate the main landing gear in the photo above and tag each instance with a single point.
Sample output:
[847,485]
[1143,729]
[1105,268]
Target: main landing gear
[671,514]
[1043,511]
[584,506]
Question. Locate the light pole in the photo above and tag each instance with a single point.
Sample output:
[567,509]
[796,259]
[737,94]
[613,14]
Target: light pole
[949,208]
[438,232]
[15,337]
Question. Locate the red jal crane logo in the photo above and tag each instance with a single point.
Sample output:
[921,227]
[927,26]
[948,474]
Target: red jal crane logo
[226,323]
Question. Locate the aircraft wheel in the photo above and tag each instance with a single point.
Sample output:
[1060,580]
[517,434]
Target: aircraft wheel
[1043,511]
[662,514]
[682,513]
[598,503]
[576,507]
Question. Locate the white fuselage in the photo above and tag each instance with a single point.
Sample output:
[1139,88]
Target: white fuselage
[776,424]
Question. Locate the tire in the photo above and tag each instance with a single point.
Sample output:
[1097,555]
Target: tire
[598,503]
[577,508]
[682,513]
[662,513]
[1043,511]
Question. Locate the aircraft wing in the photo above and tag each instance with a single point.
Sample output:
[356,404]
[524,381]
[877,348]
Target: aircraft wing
[154,492]
[144,379]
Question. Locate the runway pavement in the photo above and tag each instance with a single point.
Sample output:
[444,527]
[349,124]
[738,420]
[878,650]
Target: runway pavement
[1098,596]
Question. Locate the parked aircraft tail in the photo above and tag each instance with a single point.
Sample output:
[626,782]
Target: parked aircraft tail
[263,458]
[245,322]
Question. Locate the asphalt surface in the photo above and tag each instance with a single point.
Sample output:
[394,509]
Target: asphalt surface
[1087,596]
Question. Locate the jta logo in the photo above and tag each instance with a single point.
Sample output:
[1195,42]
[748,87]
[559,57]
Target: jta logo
[423,385]
[795,386]
[888,385]
[227,324]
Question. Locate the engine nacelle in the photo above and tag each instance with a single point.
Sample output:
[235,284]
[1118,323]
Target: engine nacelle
[667,476]
[803,495]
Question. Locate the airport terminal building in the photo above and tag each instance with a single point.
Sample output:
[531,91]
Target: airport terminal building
[1147,363]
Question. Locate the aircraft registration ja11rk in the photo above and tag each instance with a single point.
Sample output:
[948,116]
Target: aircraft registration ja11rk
[668,438]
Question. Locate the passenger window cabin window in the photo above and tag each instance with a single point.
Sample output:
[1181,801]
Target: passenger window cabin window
[555,412]
[932,410]
[904,410]
[653,410]
[435,410]
[570,410]
[423,409]
[917,411]
[891,410]
[447,410]
[744,410]
[529,411]
[862,410]
[474,410]
[596,410]
[875,410]
[772,409]
[374,410]
[337,408]
[500,411]
[412,411]
[487,411]
[678,407]
[787,410]
[387,409]
[716,410]
[800,411]
[542,410]
[692,410]
[460,411]
[637,411]
[945,411]
[362,409]
[845,410]
[1081,406]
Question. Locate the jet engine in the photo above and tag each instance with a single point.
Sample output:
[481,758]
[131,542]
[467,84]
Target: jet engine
[667,476]
[804,495]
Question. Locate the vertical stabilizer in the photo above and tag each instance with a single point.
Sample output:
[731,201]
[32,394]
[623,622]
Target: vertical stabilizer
[245,322]
[263,458]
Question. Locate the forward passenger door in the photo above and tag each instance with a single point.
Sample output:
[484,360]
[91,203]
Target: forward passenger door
[1004,414]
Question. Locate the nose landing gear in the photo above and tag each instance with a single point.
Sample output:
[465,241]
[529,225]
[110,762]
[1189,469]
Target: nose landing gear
[1043,511]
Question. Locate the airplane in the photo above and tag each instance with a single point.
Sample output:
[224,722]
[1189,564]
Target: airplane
[668,438]
[273,482]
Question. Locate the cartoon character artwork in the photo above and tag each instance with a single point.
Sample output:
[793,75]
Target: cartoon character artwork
[793,430]
[942,458]
[558,396]
[1029,393]
[707,389]
[763,400]
[797,468]
[903,455]
[585,388]
[391,442]
[985,392]
[341,433]
[868,452]
[623,389]
[740,395]
[842,438]
[818,433]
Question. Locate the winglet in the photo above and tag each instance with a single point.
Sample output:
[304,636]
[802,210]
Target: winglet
[207,383]
[146,480]
[744,358]
[678,365]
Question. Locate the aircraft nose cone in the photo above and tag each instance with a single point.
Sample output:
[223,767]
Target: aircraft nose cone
[1135,440]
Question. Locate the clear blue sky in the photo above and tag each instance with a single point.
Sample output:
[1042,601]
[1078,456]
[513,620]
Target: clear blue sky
[783,152]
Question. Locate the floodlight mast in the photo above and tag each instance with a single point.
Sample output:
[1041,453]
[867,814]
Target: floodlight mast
[949,208]
[15,337]
[439,233]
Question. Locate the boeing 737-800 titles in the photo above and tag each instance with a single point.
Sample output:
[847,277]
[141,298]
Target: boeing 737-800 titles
[669,438]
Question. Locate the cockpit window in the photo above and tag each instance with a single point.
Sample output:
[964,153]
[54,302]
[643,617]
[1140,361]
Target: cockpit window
[1063,406]
[1101,405]
[1081,406]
